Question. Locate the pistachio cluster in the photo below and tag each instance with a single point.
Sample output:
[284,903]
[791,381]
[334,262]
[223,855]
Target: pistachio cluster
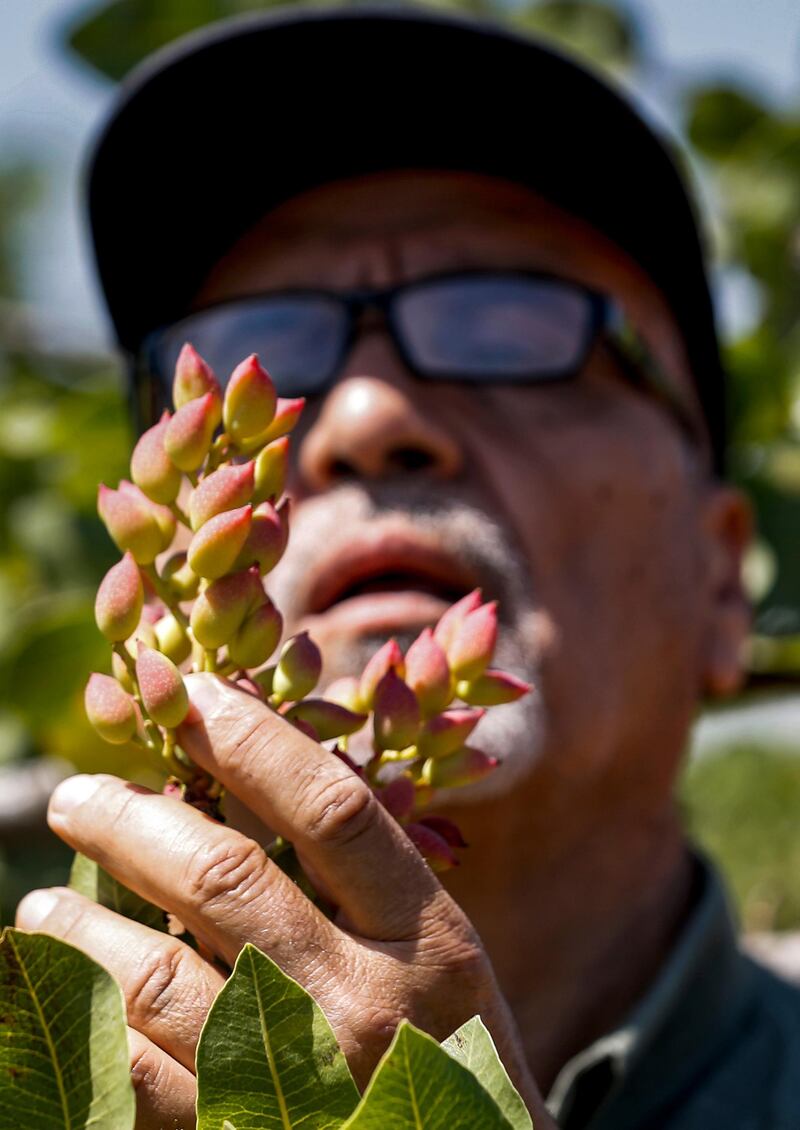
[216,466]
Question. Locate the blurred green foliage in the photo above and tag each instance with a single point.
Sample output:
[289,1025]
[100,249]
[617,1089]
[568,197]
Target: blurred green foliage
[63,428]
[116,36]
[741,806]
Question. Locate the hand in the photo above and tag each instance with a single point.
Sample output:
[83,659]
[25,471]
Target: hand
[398,947]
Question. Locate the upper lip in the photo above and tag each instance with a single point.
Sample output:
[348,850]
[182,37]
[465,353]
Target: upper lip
[371,555]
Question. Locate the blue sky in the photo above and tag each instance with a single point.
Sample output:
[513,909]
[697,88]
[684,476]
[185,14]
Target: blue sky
[50,107]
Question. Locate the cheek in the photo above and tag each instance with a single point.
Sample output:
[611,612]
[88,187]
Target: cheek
[603,508]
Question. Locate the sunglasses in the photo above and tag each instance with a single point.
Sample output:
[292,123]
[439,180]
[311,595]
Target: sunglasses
[475,327]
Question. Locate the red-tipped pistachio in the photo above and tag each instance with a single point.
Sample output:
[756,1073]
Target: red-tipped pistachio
[225,489]
[145,633]
[472,647]
[109,709]
[287,413]
[270,473]
[120,599]
[152,469]
[398,797]
[345,692]
[451,620]
[162,688]
[180,578]
[386,658]
[428,674]
[188,435]
[216,545]
[263,680]
[121,673]
[298,669]
[492,688]
[329,719]
[463,767]
[173,639]
[131,524]
[305,728]
[266,540]
[450,832]
[163,516]
[194,378]
[221,609]
[257,638]
[250,401]
[396,713]
[433,848]
[447,732]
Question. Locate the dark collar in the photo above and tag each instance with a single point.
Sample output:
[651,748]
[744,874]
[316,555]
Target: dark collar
[624,1078]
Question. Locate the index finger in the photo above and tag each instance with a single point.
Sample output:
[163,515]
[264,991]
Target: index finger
[364,859]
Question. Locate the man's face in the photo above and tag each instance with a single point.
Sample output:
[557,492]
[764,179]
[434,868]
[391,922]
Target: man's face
[579,505]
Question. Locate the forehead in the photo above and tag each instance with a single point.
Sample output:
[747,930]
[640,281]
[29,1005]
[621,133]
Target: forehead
[414,217]
[386,228]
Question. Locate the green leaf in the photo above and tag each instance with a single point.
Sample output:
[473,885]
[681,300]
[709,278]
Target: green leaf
[88,878]
[720,119]
[419,1086]
[267,1056]
[607,34]
[63,1043]
[472,1045]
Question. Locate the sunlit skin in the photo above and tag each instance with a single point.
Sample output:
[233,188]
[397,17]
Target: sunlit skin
[627,555]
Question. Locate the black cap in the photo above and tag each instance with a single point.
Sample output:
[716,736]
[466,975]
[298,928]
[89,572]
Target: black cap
[217,128]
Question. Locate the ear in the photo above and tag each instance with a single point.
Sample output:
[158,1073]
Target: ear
[728,524]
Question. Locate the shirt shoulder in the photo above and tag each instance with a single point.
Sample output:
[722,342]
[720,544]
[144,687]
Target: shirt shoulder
[753,1080]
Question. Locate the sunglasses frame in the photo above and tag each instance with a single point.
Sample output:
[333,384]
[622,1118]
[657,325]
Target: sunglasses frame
[607,319]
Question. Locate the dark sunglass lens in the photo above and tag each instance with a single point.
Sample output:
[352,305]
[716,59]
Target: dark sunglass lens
[299,339]
[510,328]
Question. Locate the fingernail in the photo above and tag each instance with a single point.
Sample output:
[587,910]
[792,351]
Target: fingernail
[72,792]
[34,908]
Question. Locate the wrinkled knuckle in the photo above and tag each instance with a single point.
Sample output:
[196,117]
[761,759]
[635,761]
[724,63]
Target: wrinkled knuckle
[337,813]
[229,871]
[469,961]
[152,992]
[462,969]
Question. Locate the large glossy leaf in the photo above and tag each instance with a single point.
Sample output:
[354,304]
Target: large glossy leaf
[88,878]
[64,1061]
[267,1057]
[472,1045]
[419,1086]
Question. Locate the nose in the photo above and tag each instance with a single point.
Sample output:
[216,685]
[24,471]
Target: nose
[374,423]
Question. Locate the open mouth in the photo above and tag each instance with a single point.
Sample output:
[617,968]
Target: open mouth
[400,581]
[390,567]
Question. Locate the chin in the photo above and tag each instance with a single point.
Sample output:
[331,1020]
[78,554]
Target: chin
[514,734]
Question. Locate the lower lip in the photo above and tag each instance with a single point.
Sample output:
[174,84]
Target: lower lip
[381,612]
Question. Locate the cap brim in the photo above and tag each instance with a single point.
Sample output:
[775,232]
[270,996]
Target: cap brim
[212,132]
